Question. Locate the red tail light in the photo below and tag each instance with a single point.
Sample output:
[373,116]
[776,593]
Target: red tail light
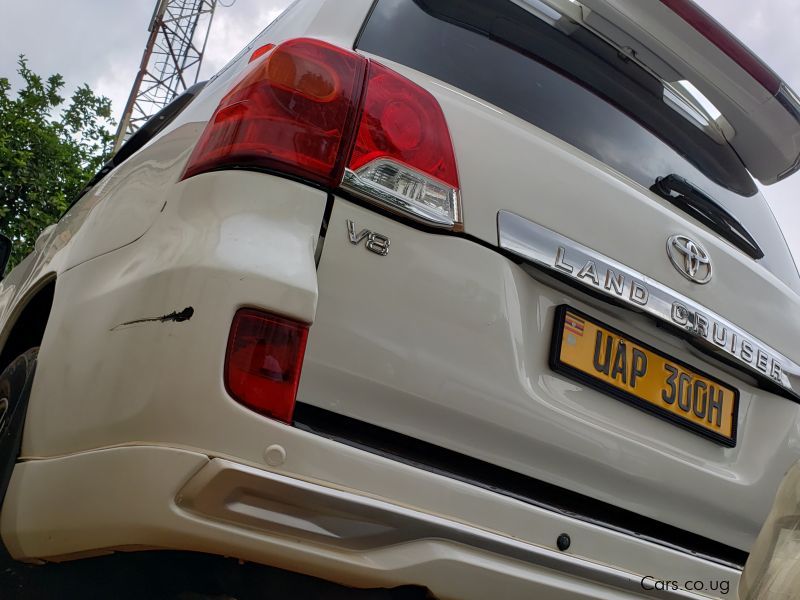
[307,109]
[263,362]
[403,122]
[290,112]
[259,52]
[403,153]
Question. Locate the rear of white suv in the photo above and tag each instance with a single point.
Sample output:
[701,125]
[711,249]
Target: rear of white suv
[478,296]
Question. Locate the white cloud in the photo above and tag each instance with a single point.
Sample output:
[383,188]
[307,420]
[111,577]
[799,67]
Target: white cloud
[236,26]
[100,42]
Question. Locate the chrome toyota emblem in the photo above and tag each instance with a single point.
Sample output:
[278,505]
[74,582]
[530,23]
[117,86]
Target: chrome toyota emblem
[690,258]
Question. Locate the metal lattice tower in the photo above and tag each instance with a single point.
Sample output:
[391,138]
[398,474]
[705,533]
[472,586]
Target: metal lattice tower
[171,61]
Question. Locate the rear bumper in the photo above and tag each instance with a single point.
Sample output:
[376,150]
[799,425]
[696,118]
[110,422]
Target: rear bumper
[140,497]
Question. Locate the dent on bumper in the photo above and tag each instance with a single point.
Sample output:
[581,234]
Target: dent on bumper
[159,497]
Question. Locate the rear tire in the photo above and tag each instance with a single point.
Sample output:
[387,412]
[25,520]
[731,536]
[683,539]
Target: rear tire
[15,389]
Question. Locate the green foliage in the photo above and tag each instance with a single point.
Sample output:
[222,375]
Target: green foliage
[47,152]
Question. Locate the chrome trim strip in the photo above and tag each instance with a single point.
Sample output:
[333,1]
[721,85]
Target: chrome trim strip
[262,500]
[606,276]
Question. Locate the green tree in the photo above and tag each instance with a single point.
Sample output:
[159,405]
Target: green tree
[48,151]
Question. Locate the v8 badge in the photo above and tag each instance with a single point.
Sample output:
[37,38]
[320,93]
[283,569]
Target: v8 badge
[377,243]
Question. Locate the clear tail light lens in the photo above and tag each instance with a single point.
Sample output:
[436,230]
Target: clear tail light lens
[327,115]
[400,187]
[263,362]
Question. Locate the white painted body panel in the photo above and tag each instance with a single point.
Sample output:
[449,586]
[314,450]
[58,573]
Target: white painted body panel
[392,336]
[225,242]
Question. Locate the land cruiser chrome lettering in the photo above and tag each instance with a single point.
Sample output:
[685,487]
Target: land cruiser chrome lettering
[718,333]
[584,266]
[612,282]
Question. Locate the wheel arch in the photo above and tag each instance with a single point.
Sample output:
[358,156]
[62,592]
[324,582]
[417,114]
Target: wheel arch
[26,326]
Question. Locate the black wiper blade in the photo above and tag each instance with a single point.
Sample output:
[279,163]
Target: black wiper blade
[695,203]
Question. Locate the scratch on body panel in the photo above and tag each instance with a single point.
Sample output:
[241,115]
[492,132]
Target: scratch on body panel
[175,317]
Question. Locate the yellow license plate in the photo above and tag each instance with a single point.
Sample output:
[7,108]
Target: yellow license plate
[638,374]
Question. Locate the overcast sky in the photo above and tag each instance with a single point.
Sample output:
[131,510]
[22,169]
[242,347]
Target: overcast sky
[100,42]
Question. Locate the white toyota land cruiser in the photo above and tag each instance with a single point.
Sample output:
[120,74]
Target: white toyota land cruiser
[478,295]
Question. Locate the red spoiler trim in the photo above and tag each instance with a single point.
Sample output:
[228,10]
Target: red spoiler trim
[715,33]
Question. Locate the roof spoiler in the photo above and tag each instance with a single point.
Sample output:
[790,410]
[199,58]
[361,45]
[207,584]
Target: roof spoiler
[677,40]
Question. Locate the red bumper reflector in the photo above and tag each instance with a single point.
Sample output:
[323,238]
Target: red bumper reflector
[263,362]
